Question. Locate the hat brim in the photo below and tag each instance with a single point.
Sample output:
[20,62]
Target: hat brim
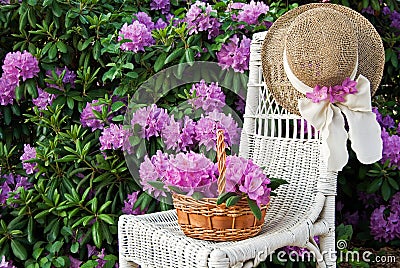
[371,54]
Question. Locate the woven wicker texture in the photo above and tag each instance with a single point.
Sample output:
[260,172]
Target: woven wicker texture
[203,219]
[303,208]
[321,41]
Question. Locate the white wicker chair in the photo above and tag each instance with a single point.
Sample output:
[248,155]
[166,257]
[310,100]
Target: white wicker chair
[302,209]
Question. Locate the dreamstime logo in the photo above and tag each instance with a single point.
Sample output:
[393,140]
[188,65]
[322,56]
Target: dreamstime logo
[343,254]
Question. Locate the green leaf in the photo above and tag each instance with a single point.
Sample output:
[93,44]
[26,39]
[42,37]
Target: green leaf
[160,62]
[231,201]
[53,51]
[106,218]
[7,115]
[30,230]
[96,234]
[132,75]
[197,196]
[365,3]
[375,5]
[59,262]
[189,54]
[386,191]
[223,197]
[62,47]
[117,105]
[55,248]
[275,183]
[375,185]
[159,185]
[254,208]
[19,250]
[74,247]
[37,252]
[394,60]
[394,184]
[175,54]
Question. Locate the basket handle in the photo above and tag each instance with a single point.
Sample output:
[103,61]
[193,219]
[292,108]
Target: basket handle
[221,160]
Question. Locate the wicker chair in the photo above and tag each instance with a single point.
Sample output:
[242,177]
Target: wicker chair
[304,208]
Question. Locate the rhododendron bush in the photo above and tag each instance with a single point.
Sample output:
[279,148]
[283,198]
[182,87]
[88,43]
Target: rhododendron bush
[69,70]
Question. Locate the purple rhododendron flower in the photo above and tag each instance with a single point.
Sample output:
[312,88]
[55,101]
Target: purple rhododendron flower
[139,35]
[208,97]
[395,203]
[206,130]
[192,172]
[384,227]
[11,185]
[151,119]
[144,19]
[7,91]
[370,200]
[179,135]
[160,24]
[69,77]
[129,204]
[333,94]
[6,264]
[16,65]
[88,119]
[199,19]
[250,12]
[240,105]
[391,148]
[152,170]
[29,153]
[74,263]
[43,100]
[114,137]
[243,176]
[162,5]
[235,54]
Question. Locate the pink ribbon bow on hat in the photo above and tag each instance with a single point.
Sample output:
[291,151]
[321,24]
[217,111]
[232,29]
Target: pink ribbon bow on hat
[327,117]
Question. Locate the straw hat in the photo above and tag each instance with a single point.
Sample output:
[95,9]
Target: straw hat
[322,44]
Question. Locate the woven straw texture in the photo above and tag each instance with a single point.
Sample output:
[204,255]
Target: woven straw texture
[321,42]
[203,219]
[303,208]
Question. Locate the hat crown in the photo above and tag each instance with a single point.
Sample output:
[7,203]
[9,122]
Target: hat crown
[321,47]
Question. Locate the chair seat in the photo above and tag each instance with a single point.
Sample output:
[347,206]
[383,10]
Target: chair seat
[148,240]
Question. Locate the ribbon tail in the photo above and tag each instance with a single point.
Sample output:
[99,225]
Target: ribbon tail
[365,135]
[334,141]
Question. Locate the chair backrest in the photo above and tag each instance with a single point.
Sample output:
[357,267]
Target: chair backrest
[280,141]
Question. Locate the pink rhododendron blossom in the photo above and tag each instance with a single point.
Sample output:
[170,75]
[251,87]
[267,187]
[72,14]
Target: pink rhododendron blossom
[250,12]
[88,119]
[199,19]
[114,137]
[192,172]
[43,100]
[243,176]
[130,203]
[152,170]
[162,5]
[151,119]
[333,94]
[139,35]
[235,54]
[29,153]
[208,97]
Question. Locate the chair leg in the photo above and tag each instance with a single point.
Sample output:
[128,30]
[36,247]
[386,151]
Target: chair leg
[327,242]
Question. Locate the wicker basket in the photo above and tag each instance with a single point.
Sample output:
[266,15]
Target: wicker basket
[204,219]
